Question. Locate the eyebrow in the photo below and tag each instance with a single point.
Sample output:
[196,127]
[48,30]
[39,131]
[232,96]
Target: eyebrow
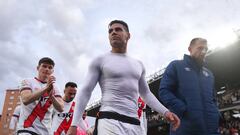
[116,29]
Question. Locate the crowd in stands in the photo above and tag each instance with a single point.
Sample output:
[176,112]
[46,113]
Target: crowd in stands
[157,124]
[230,125]
[229,99]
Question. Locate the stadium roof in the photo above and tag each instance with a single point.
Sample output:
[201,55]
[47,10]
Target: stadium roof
[225,65]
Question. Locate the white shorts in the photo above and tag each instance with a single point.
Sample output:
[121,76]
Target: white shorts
[115,127]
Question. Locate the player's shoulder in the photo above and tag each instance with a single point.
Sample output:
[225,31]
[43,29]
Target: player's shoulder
[17,109]
[99,58]
[27,82]
[133,58]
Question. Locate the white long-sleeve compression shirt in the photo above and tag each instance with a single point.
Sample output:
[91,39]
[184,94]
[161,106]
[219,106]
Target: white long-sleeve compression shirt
[122,80]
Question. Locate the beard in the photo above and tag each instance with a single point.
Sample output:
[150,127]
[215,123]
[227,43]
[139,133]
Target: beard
[70,99]
[119,46]
[199,61]
[118,43]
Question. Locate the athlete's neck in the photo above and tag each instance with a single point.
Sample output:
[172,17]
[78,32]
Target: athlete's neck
[65,99]
[42,78]
[118,50]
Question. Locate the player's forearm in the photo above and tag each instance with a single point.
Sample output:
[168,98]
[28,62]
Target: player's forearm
[153,103]
[149,98]
[57,103]
[29,96]
[81,103]
[12,124]
[84,94]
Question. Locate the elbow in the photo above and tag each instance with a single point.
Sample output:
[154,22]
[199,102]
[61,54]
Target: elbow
[60,109]
[58,104]
[25,103]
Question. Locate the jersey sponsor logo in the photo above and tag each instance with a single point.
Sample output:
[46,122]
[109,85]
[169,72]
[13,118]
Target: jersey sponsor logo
[39,111]
[64,126]
[65,115]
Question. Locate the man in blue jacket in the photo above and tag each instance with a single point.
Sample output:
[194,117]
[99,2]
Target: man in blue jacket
[187,89]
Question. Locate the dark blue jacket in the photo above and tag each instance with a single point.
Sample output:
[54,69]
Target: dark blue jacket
[187,89]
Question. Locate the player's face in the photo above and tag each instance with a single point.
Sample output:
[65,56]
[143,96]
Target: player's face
[70,93]
[198,51]
[84,115]
[44,70]
[118,36]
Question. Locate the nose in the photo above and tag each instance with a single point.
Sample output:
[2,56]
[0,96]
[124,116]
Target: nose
[204,50]
[47,69]
[113,32]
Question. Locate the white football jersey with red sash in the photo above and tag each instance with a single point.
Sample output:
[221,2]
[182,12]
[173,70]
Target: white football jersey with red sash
[36,116]
[62,120]
[15,117]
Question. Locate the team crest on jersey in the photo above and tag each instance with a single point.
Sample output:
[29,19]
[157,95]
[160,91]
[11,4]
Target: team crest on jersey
[187,69]
[205,73]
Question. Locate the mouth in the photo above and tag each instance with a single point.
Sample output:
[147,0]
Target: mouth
[115,38]
[45,73]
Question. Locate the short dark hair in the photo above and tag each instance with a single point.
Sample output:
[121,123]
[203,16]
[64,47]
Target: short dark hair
[194,40]
[46,60]
[121,22]
[71,84]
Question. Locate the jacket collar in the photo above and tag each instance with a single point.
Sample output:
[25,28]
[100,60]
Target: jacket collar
[189,60]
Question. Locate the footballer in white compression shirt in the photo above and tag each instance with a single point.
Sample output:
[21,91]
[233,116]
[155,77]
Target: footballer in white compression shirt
[122,80]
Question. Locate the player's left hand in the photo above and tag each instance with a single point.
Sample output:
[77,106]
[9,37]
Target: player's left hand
[173,119]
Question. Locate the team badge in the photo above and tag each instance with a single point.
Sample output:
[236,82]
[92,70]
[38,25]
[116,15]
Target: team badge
[187,69]
[205,73]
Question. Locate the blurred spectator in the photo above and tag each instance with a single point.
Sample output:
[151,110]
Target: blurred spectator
[230,125]
[229,98]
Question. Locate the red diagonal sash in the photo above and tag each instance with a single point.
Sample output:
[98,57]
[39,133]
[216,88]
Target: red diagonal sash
[64,126]
[38,111]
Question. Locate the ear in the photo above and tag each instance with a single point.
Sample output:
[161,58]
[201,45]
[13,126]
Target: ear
[189,49]
[37,67]
[129,35]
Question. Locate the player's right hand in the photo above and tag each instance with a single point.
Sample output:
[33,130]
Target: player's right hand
[89,131]
[50,81]
[72,130]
